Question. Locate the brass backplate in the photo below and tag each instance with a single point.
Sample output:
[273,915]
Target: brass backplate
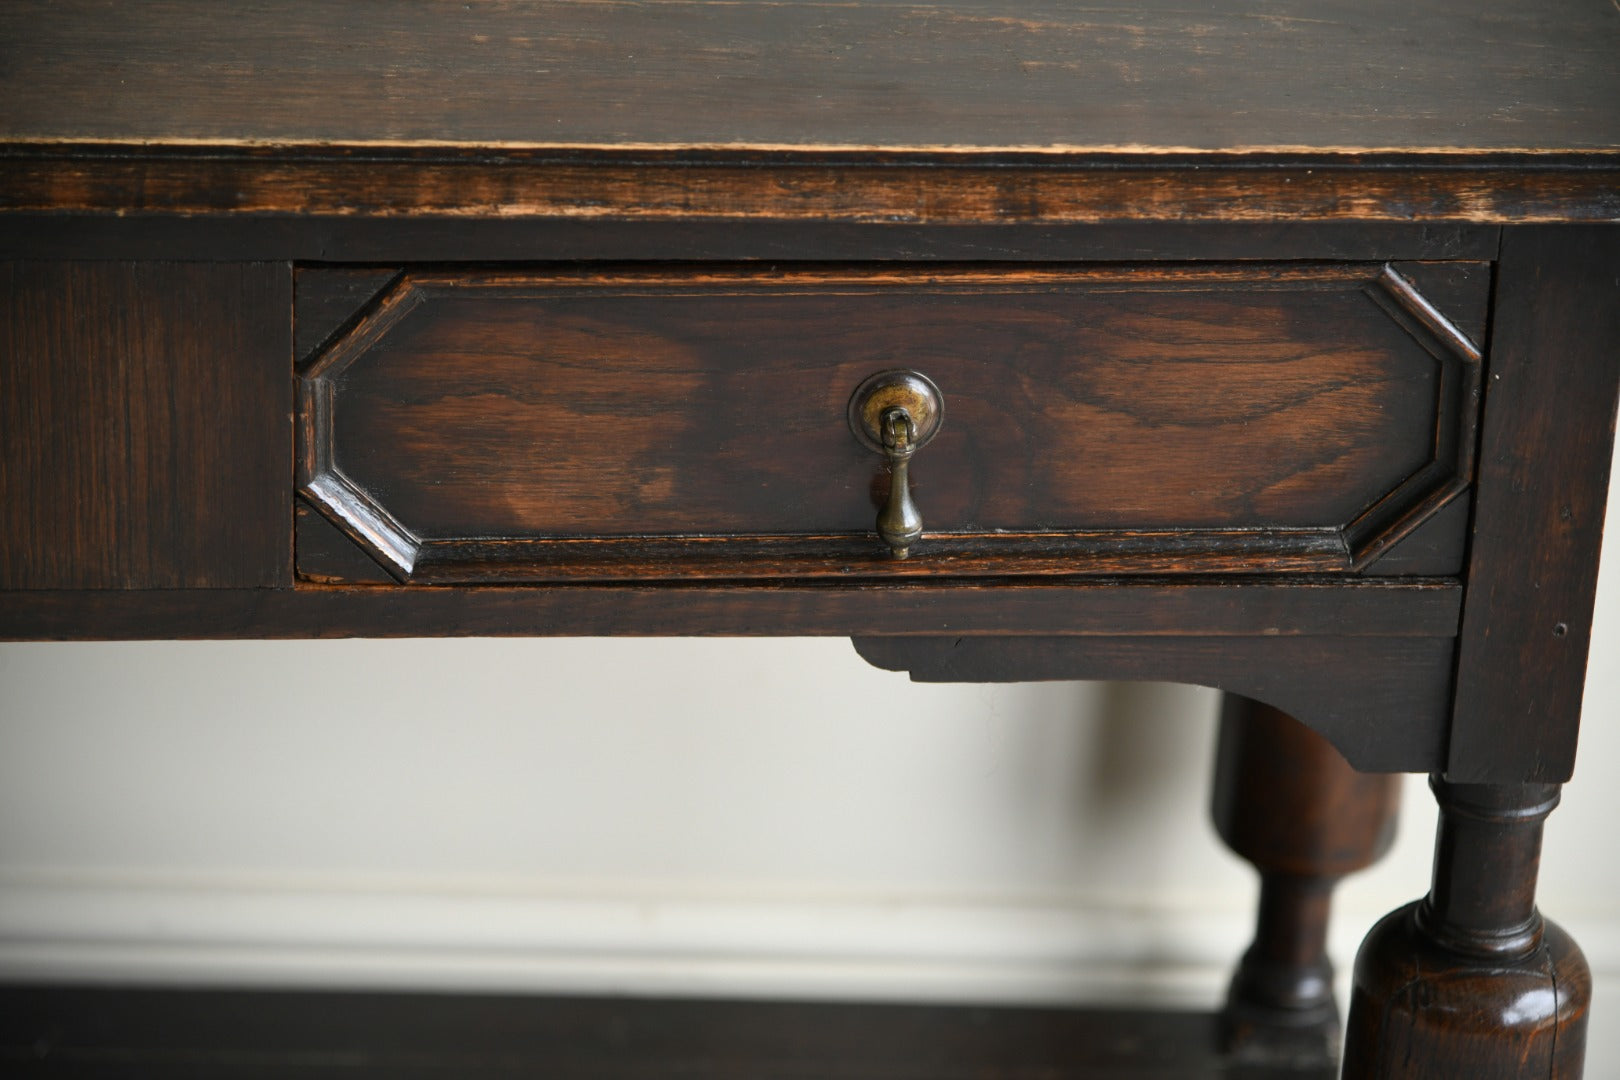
[909,390]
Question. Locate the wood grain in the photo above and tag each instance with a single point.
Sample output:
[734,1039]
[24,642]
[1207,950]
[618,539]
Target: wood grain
[1246,419]
[1287,802]
[502,426]
[1538,520]
[1422,1011]
[394,241]
[335,187]
[1471,982]
[1345,689]
[325,554]
[1146,609]
[146,412]
[1247,75]
[336,297]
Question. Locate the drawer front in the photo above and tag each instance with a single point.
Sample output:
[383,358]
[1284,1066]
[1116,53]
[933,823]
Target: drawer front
[603,424]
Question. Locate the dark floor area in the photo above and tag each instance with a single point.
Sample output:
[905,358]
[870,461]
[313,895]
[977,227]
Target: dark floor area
[173,1034]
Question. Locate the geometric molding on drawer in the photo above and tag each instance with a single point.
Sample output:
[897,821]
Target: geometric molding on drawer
[624,423]
[328,299]
[1377,532]
[1459,290]
[328,555]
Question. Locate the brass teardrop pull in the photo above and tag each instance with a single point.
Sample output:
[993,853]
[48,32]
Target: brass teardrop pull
[896,413]
[899,522]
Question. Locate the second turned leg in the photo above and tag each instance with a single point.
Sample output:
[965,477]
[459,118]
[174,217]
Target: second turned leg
[1286,801]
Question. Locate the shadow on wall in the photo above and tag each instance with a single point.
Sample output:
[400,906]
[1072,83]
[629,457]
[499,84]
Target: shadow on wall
[1146,740]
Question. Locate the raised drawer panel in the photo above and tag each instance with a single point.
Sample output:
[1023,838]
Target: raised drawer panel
[665,422]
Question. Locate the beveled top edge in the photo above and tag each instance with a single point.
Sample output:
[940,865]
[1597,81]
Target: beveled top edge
[918,153]
[752,182]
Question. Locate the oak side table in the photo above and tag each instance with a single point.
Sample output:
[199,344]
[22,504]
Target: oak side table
[1269,345]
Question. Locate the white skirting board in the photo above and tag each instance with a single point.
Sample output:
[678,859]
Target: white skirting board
[625,941]
[640,941]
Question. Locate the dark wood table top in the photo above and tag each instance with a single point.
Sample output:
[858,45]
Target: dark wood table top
[1458,90]
[1152,76]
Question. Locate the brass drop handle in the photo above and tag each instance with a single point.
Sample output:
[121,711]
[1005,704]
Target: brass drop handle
[896,413]
[899,522]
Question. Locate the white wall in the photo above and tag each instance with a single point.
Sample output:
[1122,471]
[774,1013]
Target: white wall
[729,817]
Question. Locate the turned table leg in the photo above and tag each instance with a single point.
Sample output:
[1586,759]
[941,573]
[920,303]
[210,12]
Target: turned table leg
[1287,801]
[1471,981]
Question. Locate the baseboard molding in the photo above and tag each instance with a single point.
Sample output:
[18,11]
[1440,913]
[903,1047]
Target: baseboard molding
[638,941]
[623,941]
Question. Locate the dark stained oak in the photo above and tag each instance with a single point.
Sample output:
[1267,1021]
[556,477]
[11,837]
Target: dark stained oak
[1472,983]
[50,1033]
[1457,291]
[956,111]
[328,556]
[1287,802]
[1470,76]
[340,191]
[1344,689]
[395,239]
[1545,447]
[1262,609]
[1277,338]
[145,410]
[1431,547]
[327,299]
[478,426]
[1420,1012]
